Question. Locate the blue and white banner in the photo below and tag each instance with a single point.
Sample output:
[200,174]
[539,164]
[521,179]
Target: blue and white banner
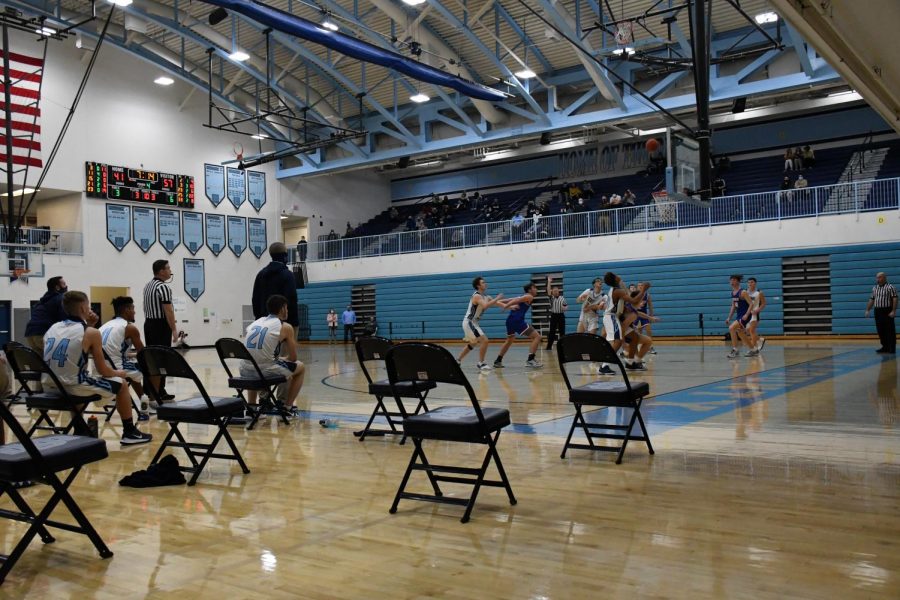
[194,277]
[215,232]
[192,231]
[256,189]
[144,220]
[118,225]
[237,186]
[258,238]
[237,234]
[169,229]
[214,179]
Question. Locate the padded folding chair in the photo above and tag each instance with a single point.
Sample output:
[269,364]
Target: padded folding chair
[370,349]
[469,424]
[158,361]
[28,366]
[40,460]
[232,349]
[18,397]
[584,347]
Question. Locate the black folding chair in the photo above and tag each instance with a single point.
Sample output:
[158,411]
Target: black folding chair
[584,347]
[18,397]
[40,460]
[468,424]
[27,367]
[158,361]
[370,349]
[232,349]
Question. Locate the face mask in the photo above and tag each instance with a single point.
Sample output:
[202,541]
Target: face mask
[63,290]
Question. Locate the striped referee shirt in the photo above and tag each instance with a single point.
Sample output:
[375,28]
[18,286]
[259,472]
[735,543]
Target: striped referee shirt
[883,296]
[558,305]
[156,293]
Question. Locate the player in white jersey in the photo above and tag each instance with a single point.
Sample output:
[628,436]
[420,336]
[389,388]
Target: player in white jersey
[592,300]
[121,337]
[273,345]
[472,333]
[67,346]
[616,333]
[757,304]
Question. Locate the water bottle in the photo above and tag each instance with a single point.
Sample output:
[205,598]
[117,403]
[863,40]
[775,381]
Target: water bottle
[93,427]
[329,423]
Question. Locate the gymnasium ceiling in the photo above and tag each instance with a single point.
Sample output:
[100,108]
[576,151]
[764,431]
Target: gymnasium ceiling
[484,40]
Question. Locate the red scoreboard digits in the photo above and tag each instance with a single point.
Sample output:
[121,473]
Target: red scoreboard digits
[138,185]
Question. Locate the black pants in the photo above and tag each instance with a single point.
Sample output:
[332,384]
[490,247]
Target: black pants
[557,328]
[887,330]
[348,333]
[157,333]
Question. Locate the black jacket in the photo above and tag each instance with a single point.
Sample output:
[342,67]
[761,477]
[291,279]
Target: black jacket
[46,312]
[275,278]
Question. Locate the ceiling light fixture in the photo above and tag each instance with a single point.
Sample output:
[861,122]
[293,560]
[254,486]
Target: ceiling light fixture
[259,136]
[330,25]
[419,98]
[45,31]
[413,2]
[766,17]
[525,73]
[120,2]
[239,56]
[163,80]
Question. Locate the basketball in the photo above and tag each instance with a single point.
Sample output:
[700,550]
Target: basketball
[652,145]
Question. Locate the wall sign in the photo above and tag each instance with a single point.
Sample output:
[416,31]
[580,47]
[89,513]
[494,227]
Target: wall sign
[237,234]
[215,232]
[256,189]
[237,186]
[214,182]
[194,277]
[258,240]
[192,231]
[118,225]
[169,229]
[144,221]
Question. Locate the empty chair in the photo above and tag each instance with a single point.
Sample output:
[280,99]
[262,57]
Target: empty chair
[232,349]
[371,349]
[203,409]
[28,366]
[584,347]
[18,397]
[40,460]
[469,424]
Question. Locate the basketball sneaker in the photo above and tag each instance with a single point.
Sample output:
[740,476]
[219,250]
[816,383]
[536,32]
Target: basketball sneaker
[534,364]
[753,352]
[606,370]
[482,366]
[498,364]
[636,366]
[135,437]
[761,344]
[734,353]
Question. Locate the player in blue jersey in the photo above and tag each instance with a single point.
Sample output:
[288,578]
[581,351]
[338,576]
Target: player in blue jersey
[740,308]
[516,325]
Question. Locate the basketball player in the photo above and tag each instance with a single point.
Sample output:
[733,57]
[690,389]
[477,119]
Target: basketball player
[67,346]
[517,325]
[472,333]
[273,345]
[592,300]
[757,304]
[119,335]
[645,318]
[740,306]
[616,331]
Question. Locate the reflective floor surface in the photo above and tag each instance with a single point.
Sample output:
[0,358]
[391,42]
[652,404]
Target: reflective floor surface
[774,477]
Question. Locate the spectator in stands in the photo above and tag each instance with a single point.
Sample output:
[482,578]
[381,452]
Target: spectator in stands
[349,232]
[801,183]
[46,312]
[460,205]
[629,198]
[394,214]
[301,249]
[788,160]
[587,189]
[809,158]
[464,196]
[332,235]
[615,201]
[798,158]
[723,164]
[410,223]
[785,195]
[574,191]
[564,192]
[718,188]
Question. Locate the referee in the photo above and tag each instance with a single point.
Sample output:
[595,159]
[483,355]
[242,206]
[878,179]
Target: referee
[159,318]
[884,300]
[558,307]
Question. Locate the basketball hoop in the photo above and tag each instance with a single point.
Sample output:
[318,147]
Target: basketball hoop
[20,274]
[625,33]
[661,196]
[238,150]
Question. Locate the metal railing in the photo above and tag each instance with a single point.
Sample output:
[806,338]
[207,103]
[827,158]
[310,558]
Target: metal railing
[845,198]
[52,241]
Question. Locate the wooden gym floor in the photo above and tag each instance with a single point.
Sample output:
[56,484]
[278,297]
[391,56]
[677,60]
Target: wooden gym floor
[775,477]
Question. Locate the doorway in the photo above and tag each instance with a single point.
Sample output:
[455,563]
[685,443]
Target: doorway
[5,322]
[101,297]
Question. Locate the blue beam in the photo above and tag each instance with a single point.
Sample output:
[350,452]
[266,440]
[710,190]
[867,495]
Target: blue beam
[800,48]
[548,68]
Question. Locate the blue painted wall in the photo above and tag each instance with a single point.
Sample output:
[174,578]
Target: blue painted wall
[683,287]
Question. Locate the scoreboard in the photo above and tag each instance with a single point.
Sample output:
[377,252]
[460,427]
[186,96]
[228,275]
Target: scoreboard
[138,185]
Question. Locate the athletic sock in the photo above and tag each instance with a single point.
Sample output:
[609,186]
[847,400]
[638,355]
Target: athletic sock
[128,424]
[531,357]
[499,359]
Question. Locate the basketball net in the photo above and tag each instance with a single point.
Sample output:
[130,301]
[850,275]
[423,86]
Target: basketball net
[20,274]
[625,33]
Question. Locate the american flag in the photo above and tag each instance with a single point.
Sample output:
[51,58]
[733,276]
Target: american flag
[24,81]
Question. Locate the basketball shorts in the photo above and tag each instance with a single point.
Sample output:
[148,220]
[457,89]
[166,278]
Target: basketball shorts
[471,331]
[277,368]
[613,328]
[754,319]
[590,320]
[740,319]
[106,388]
[518,328]
[132,371]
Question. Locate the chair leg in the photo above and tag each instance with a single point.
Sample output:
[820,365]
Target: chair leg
[644,429]
[162,447]
[621,453]
[409,470]
[476,487]
[431,478]
[75,510]
[501,470]
[237,455]
[571,430]
[25,509]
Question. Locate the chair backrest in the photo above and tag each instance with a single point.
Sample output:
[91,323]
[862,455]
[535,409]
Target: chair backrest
[21,436]
[586,347]
[28,365]
[371,348]
[417,361]
[232,349]
[162,361]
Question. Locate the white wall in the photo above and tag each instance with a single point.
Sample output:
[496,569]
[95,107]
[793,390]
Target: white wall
[124,119]
[768,235]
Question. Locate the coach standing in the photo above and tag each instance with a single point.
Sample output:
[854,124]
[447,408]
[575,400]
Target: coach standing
[276,279]
[159,318]
[884,300]
[558,307]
